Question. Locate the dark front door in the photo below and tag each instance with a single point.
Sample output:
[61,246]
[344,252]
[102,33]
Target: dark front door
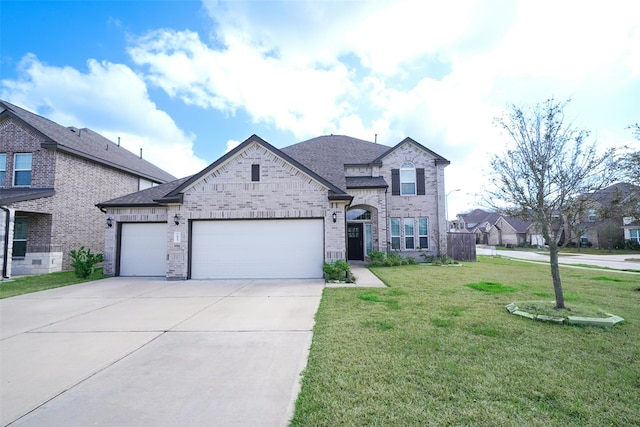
[355,242]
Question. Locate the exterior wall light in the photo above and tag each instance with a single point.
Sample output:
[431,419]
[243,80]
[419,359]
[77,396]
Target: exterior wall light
[334,217]
[176,219]
[109,222]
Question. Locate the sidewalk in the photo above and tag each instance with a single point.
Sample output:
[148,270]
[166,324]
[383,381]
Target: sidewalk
[364,278]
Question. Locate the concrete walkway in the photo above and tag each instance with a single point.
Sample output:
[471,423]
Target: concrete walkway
[364,278]
[144,352]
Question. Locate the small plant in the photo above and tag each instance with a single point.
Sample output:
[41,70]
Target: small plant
[338,270]
[392,259]
[84,262]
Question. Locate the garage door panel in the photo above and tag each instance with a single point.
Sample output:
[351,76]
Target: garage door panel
[143,248]
[257,249]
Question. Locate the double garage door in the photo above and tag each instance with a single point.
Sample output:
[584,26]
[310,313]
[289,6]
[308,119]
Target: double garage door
[233,249]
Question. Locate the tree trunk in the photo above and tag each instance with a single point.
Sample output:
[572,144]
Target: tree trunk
[555,275]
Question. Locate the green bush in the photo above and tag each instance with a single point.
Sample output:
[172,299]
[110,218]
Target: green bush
[83,262]
[382,259]
[338,270]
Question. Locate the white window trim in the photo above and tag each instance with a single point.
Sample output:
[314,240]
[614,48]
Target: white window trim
[3,168]
[399,236]
[405,168]
[420,236]
[16,170]
[411,222]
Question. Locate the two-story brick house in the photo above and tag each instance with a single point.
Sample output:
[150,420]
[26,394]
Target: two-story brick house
[51,178]
[260,212]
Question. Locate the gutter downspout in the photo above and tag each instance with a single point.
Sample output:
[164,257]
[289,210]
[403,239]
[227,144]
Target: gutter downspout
[5,250]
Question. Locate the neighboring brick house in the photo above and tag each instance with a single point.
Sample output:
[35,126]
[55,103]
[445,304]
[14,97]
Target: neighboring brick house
[51,178]
[494,229]
[603,220]
[260,212]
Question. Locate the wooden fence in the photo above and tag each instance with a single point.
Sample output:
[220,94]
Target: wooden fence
[461,246]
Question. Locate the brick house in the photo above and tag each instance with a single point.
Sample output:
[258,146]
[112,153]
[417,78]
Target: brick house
[260,212]
[491,228]
[603,220]
[51,177]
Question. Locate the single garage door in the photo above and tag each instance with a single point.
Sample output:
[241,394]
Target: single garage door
[244,249]
[143,249]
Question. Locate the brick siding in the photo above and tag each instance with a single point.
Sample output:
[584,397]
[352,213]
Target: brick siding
[71,214]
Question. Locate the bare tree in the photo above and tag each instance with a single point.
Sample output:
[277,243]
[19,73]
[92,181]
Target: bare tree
[548,164]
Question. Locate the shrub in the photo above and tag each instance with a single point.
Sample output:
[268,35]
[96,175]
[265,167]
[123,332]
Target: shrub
[382,259]
[337,270]
[83,262]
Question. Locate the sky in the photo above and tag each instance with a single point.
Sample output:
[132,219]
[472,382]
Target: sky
[189,80]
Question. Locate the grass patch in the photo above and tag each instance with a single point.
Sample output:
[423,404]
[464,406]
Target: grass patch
[609,279]
[491,287]
[453,356]
[41,282]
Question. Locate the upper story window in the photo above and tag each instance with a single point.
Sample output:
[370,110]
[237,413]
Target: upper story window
[22,169]
[3,169]
[592,215]
[407,179]
[255,173]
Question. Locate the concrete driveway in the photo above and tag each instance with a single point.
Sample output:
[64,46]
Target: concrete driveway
[149,352]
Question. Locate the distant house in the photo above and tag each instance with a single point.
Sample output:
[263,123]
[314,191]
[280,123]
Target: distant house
[495,229]
[51,178]
[264,212]
[603,219]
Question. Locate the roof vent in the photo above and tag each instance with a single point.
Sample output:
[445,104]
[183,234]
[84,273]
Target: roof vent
[140,152]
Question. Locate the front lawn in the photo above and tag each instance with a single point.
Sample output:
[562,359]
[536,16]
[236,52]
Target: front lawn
[28,284]
[432,350]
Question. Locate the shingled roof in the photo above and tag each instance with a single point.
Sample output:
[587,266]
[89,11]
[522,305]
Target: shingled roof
[146,197]
[85,143]
[327,155]
[323,158]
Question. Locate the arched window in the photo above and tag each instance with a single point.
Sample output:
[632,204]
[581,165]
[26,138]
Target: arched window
[407,179]
[358,215]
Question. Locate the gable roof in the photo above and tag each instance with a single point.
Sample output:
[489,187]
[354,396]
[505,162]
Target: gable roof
[614,194]
[176,195]
[85,143]
[326,155]
[438,158]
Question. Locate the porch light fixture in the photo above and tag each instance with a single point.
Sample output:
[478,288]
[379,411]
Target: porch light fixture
[176,219]
[109,222]
[334,217]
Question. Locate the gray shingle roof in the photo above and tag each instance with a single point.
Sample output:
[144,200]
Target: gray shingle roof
[13,195]
[327,155]
[366,182]
[324,158]
[146,197]
[87,144]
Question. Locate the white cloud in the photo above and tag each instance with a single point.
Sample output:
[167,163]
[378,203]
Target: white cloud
[231,144]
[110,99]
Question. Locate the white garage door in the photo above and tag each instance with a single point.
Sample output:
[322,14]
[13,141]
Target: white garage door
[143,249]
[291,248]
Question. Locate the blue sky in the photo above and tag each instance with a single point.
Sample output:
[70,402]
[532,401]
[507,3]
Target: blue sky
[188,80]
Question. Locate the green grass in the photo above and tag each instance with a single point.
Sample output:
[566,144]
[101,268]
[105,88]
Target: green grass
[28,284]
[447,354]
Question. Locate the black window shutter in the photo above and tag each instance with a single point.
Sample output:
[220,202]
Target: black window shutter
[255,173]
[395,182]
[420,181]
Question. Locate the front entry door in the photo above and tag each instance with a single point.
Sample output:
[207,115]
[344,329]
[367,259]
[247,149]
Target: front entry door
[355,242]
